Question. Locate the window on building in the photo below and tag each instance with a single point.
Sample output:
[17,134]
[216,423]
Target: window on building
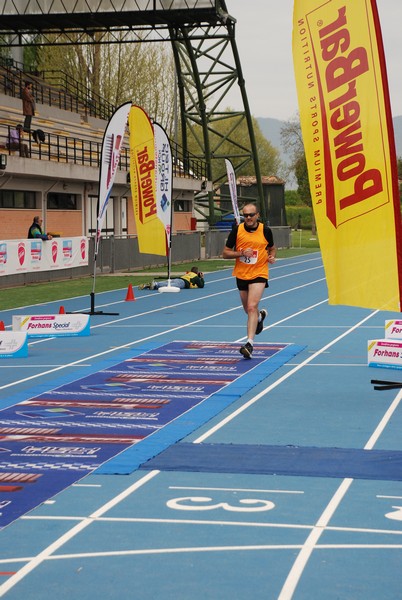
[17,199]
[59,201]
[182,205]
[92,216]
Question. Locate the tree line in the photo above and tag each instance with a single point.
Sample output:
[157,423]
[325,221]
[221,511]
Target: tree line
[144,74]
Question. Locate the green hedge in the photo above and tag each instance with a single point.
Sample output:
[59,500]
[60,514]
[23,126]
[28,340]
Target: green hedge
[294,212]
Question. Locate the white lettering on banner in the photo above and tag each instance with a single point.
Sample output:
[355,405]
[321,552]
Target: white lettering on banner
[75,450]
[202,503]
[176,388]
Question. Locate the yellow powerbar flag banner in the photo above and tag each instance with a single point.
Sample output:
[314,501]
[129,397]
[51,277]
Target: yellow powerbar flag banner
[150,229]
[350,149]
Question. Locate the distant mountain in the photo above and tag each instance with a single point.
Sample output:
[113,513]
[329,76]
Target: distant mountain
[271,129]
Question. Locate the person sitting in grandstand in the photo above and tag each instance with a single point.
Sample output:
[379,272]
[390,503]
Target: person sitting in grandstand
[15,141]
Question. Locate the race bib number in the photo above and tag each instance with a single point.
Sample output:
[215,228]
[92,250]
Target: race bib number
[250,260]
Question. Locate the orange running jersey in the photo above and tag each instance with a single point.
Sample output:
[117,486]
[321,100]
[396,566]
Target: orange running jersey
[257,265]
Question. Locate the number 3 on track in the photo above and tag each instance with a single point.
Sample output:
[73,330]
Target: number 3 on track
[204,503]
[396,515]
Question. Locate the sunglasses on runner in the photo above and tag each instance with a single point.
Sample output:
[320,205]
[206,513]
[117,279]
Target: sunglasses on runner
[249,215]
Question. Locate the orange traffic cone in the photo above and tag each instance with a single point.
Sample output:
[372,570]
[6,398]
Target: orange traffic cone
[62,311]
[2,328]
[130,294]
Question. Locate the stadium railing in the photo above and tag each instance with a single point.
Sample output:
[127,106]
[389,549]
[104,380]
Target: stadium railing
[67,149]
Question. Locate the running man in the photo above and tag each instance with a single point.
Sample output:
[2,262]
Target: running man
[252,245]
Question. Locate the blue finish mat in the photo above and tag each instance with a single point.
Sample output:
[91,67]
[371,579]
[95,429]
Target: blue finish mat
[280,460]
[94,424]
[214,357]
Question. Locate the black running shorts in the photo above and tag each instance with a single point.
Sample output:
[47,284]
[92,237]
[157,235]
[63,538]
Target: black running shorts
[242,284]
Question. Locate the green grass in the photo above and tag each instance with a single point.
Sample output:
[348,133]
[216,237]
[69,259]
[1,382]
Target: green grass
[37,293]
[304,239]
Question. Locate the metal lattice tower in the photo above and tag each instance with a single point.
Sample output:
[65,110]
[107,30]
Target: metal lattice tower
[202,34]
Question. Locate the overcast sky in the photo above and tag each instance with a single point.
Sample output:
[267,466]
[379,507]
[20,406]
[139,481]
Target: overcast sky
[264,41]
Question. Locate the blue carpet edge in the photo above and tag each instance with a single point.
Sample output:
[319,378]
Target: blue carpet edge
[299,461]
[130,460]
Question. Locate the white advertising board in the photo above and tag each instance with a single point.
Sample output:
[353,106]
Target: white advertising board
[13,344]
[393,329]
[52,325]
[27,256]
[385,353]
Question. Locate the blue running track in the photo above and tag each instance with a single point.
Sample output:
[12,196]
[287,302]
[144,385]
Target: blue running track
[293,491]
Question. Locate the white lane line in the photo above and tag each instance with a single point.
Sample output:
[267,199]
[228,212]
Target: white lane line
[337,365]
[220,489]
[178,522]
[294,273]
[278,265]
[184,550]
[223,549]
[295,314]
[87,485]
[47,552]
[389,497]
[116,348]
[391,532]
[237,307]
[198,549]
[144,339]
[310,544]
[312,540]
[384,422]
[37,366]
[332,326]
[202,298]
[281,379]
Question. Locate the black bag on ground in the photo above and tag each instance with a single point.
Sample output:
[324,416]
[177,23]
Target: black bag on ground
[39,136]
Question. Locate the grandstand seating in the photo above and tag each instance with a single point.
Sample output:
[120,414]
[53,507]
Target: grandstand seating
[71,135]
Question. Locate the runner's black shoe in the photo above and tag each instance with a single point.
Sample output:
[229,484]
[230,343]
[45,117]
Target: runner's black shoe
[260,324]
[246,350]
